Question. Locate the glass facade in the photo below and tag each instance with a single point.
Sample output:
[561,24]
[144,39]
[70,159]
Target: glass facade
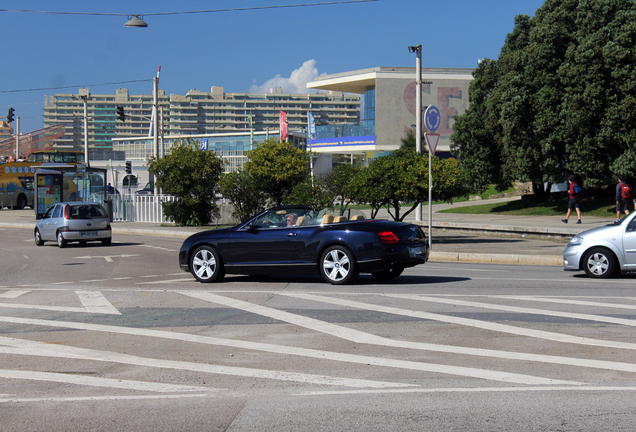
[369,104]
[232,148]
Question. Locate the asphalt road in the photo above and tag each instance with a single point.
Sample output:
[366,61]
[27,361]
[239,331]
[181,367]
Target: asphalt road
[117,338]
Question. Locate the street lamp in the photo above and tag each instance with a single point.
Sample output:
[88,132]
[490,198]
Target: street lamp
[418,112]
[135,22]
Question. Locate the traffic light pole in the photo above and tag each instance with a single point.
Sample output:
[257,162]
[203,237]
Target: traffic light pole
[17,138]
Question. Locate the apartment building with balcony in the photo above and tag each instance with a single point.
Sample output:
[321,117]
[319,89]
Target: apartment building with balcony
[195,113]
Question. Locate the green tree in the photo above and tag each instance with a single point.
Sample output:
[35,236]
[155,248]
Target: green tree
[277,167]
[242,191]
[337,183]
[313,196]
[402,177]
[559,100]
[192,176]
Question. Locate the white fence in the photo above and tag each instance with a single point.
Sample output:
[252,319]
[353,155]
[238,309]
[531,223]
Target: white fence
[138,208]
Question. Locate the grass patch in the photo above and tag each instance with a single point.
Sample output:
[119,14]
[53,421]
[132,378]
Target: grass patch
[598,203]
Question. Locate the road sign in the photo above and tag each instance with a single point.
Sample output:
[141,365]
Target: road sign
[432,118]
[432,140]
[204,144]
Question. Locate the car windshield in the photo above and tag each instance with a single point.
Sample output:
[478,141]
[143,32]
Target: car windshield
[86,211]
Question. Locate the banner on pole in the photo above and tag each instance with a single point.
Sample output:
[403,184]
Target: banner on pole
[283,125]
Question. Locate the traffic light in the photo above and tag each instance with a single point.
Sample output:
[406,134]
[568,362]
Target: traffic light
[10,115]
[120,113]
[128,167]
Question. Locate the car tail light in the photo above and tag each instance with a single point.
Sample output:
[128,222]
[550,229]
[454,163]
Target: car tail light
[66,211]
[388,237]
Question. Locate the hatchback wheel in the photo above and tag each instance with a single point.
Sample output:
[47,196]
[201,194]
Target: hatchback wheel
[38,238]
[206,264]
[61,243]
[107,242]
[599,263]
[338,265]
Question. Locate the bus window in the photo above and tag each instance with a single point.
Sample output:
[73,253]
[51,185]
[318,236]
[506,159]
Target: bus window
[26,182]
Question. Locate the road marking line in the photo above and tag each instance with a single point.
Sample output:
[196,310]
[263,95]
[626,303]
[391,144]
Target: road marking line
[470,390]
[167,281]
[305,352]
[565,301]
[31,348]
[517,309]
[95,302]
[14,293]
[367,338]
[101,398]
[98,382]
[503,328]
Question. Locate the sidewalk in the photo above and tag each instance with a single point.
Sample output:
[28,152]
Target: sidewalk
[523,240]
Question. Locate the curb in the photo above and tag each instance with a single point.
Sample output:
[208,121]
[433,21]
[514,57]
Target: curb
[509,259]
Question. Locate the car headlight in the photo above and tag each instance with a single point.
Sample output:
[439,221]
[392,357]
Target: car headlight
[576,241]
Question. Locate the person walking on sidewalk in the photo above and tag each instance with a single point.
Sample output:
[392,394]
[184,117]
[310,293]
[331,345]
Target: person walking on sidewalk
[573,190]
[623,197]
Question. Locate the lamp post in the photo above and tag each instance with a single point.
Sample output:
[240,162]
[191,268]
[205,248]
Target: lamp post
[418,112]
[86,162]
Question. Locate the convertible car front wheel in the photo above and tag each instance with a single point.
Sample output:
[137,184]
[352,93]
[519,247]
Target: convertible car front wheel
[338,265]
[206,264]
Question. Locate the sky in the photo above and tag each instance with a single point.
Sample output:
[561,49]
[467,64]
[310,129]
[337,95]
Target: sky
[240,50]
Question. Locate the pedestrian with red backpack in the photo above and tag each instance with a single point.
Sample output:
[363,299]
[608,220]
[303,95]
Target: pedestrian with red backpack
[574,191]
[623,197]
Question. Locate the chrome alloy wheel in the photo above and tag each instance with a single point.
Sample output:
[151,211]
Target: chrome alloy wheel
[206,265]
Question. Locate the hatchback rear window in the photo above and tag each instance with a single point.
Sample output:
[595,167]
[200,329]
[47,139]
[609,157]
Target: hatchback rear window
[86,211]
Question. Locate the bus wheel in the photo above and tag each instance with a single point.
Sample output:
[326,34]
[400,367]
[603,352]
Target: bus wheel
[21,202]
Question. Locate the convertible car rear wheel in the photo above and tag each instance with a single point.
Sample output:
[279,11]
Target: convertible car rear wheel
[338,265]
[206,265]
[599,263]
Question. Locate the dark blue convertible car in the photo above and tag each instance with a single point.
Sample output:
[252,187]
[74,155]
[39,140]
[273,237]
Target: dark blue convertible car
[288,240]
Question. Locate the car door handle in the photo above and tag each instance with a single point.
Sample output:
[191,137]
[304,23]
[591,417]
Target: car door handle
[291,234]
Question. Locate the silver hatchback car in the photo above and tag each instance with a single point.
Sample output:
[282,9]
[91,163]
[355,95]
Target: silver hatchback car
[74,221]
[603,252]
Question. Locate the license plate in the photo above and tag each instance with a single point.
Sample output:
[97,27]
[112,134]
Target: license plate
[88,234]
[415,251]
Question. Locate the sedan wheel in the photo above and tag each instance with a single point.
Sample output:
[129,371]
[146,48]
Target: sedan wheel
[38,238]
[61,243]
[599,263]
[206,265]
[338,266]
[388,274]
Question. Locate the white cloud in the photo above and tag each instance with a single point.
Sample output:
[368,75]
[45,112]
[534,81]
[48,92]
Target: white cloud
[296,83]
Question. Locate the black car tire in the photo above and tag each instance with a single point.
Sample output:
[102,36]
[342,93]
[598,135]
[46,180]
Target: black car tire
[38,238]
[388,274]
[338,266]
[599,263]
[206,265]
[21,203]
[107,242]
[61,243]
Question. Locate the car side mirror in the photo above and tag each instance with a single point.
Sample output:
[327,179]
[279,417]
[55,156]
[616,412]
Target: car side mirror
[252,228]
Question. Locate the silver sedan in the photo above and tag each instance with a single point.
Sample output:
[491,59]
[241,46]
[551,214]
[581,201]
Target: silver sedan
[603,252]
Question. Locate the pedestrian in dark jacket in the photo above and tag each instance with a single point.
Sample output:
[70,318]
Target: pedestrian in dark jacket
[574,200]
[623,197]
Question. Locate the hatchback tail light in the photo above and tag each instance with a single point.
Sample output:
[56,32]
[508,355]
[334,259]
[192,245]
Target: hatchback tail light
[66,210]
[388,237]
